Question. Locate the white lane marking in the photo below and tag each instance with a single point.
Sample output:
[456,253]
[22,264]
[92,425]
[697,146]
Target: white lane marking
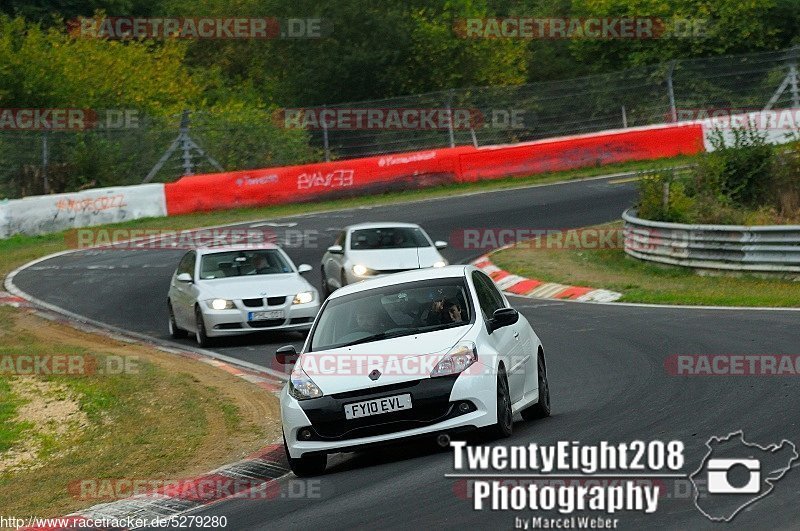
[600,295]
[273,224]
[670,306]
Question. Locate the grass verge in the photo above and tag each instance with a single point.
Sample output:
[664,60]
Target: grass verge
[642,281]
[163,417]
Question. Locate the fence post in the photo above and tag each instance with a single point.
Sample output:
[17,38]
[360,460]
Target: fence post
[665,195]
[45,162]
[671,92]
[450,119]
[793,86]
[624,118]
[325,145]
[185,144]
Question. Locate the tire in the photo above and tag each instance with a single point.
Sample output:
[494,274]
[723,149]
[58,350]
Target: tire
[306,466]
[541,409]
[200,329]
[325,290]
[174,331]
[505,417]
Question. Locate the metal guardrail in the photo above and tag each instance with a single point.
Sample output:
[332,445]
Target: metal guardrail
[764,248]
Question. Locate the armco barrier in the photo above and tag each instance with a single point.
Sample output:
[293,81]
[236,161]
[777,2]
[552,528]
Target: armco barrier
[778,126]
[290,184]
[769,248]
[596,149]
[4,233]
[420,169]
[52,213]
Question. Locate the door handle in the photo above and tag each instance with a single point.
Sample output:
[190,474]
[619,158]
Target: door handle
[516,335]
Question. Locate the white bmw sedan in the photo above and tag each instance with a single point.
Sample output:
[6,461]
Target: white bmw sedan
[418,353]
[234,290]
[370,250]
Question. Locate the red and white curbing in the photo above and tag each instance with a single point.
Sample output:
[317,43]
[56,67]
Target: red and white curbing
[537,289]
[254,478]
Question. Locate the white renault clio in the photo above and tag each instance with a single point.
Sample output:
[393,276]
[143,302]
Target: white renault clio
[417,353]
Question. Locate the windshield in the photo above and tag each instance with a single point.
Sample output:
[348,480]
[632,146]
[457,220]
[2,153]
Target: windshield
[393,311]
[240,263]
[388,238]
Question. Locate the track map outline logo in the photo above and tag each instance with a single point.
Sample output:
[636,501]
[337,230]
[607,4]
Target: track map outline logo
[719,497]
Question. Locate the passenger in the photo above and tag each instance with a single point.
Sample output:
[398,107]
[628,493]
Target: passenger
[454,311]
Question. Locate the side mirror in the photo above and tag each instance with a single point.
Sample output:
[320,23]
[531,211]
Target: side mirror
[184,277]
[336,249]
[503,317]
[286,355]
[303,268]
[439,244]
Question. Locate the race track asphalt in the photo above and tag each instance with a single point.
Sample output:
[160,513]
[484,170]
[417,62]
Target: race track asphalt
[606,365]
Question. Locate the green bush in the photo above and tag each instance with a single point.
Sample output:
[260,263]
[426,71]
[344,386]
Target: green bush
[679,207]
[738,172]
[743,181]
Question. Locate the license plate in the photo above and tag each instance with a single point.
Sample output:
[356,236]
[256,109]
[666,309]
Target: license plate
[377,406]
[262,316]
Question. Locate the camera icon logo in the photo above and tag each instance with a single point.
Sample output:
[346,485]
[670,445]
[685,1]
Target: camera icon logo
[736,473]
[719,471]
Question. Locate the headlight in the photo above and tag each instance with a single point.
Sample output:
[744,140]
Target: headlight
[220,304]
[360,270]
[440,263]
[301,386]
[303,298]
[457,360]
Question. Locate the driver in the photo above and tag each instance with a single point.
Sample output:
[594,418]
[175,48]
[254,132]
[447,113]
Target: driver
[445,312]
[454,311]
[261,265]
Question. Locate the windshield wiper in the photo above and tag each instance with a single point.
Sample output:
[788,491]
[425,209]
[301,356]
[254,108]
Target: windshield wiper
[382,335]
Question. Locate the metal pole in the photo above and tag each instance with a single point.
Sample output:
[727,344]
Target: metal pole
[325,144]
[671,92]
[793,86]
[45,162]
[474,138]
[665,195]
[186,144]
[624,118]
[450,119]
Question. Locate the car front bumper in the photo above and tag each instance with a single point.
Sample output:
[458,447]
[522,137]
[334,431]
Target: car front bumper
[233,322]
[435,409]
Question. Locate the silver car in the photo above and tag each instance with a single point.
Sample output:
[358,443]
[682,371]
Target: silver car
[370,250]
[234,290]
